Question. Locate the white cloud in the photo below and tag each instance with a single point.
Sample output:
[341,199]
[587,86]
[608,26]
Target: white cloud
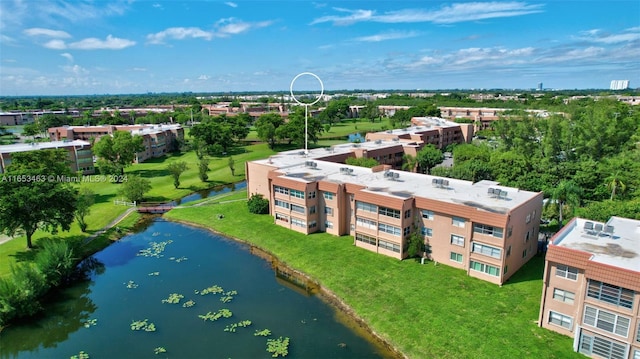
[179,33]
[92,43]
[231,4]
[158,6]
[204,77]
[38,31]
[459,12]
[67,56]
[392,35]
[232,26]
[76,70]
[139,69]
[599,36]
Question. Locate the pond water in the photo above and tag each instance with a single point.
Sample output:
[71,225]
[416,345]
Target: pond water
[95,315]
[214,191]
[355,137]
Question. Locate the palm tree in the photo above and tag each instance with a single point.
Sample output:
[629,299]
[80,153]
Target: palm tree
[566,193]
[614,182]
[409,163]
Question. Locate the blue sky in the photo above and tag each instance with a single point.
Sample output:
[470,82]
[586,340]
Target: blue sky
[114,47]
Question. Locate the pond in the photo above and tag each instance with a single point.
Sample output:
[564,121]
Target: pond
[190,292]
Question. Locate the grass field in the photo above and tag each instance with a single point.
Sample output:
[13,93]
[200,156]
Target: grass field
[341,129]
[425,311]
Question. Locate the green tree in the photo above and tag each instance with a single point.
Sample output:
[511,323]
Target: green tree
[614,182]
[232,165]
[266,126]
[176,169]
[428,157]
[134,188]
[30,129]
[415,243]
[29,202]
[203,168]
[409,163]
[117,152]
[220,133]
[565,194]
[257,204]
[86,198]
[362,162]
[294,130]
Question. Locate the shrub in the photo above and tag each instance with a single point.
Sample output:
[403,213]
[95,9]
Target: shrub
[258,204]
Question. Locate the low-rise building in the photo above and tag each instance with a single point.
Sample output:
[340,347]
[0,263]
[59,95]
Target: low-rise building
[79,153]
[591,287]
[486,229]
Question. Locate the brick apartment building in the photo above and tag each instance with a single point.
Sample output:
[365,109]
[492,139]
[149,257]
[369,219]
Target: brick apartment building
[486,229]
[157,139]
[591,288]
[79,153]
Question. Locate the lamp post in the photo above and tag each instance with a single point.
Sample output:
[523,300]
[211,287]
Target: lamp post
[306,105]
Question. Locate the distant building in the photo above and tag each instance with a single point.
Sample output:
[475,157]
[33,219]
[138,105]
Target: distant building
[79,153]
[539,88]
[485,229]
[591,287]
[619,85]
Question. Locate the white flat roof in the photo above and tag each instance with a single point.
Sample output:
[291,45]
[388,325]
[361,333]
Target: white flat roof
[621,248]
[408,184]
[24,147]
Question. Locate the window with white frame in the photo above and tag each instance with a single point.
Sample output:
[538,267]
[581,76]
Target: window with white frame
[610,293]
[560,319]
[389,246]
[328,224]
[457,240]
[426,231]
[328,211]
[457,222]
[487,230]
[486,250]
[485,268]
[297,209]
[566,272]
[298,222]
[279,189]
[282,217]
[607,321]
[590,344]
[456,257]
[365,239]
[368,207]
[636,354]
[427,214]
[313,224]
[281,204]
[297,194]
[328,195]
[366,223]
[563,295]
[387,228]
[389,212]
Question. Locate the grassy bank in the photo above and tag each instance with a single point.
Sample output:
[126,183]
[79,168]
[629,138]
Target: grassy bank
[425,311]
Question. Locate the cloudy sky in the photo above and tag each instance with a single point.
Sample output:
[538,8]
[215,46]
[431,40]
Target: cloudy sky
[114,47]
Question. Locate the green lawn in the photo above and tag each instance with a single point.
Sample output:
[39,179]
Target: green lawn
[341,129]
[425,311]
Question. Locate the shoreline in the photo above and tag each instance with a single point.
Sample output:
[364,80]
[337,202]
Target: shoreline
[324,293]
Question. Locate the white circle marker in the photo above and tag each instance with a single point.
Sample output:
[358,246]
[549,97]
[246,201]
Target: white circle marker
[306,105]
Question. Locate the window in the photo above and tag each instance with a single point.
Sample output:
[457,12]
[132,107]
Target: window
[506,269]
[426,231]
[278,189]
[282,204]
[563,295]
[296,208]
[297,194]
[407,213]
[328,211]
[365,239]
[566,272]
[486,250]
[593,344]
[406,231]
[351,197]
[485,268]
[457,240]
[528,218]
[312,209]
[610,293]
[298,222]
[363,206]
[282,217]
[606,321]
[312,194]
[387,228]
[327,195]
[524,253]
[509,232]
[313,224]
[328,224]
[560,319]
[509,251]
[487,230]
[389,212]
[526,238]
[457,222]
[366,223]
[636,354]
[426,214]
[638,334]
[389,246]
[456,257]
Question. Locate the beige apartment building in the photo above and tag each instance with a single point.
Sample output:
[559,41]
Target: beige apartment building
[79,153]
[157,139]
[486,229]
[591,288]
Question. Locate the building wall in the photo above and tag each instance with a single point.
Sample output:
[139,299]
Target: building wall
[80,158]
